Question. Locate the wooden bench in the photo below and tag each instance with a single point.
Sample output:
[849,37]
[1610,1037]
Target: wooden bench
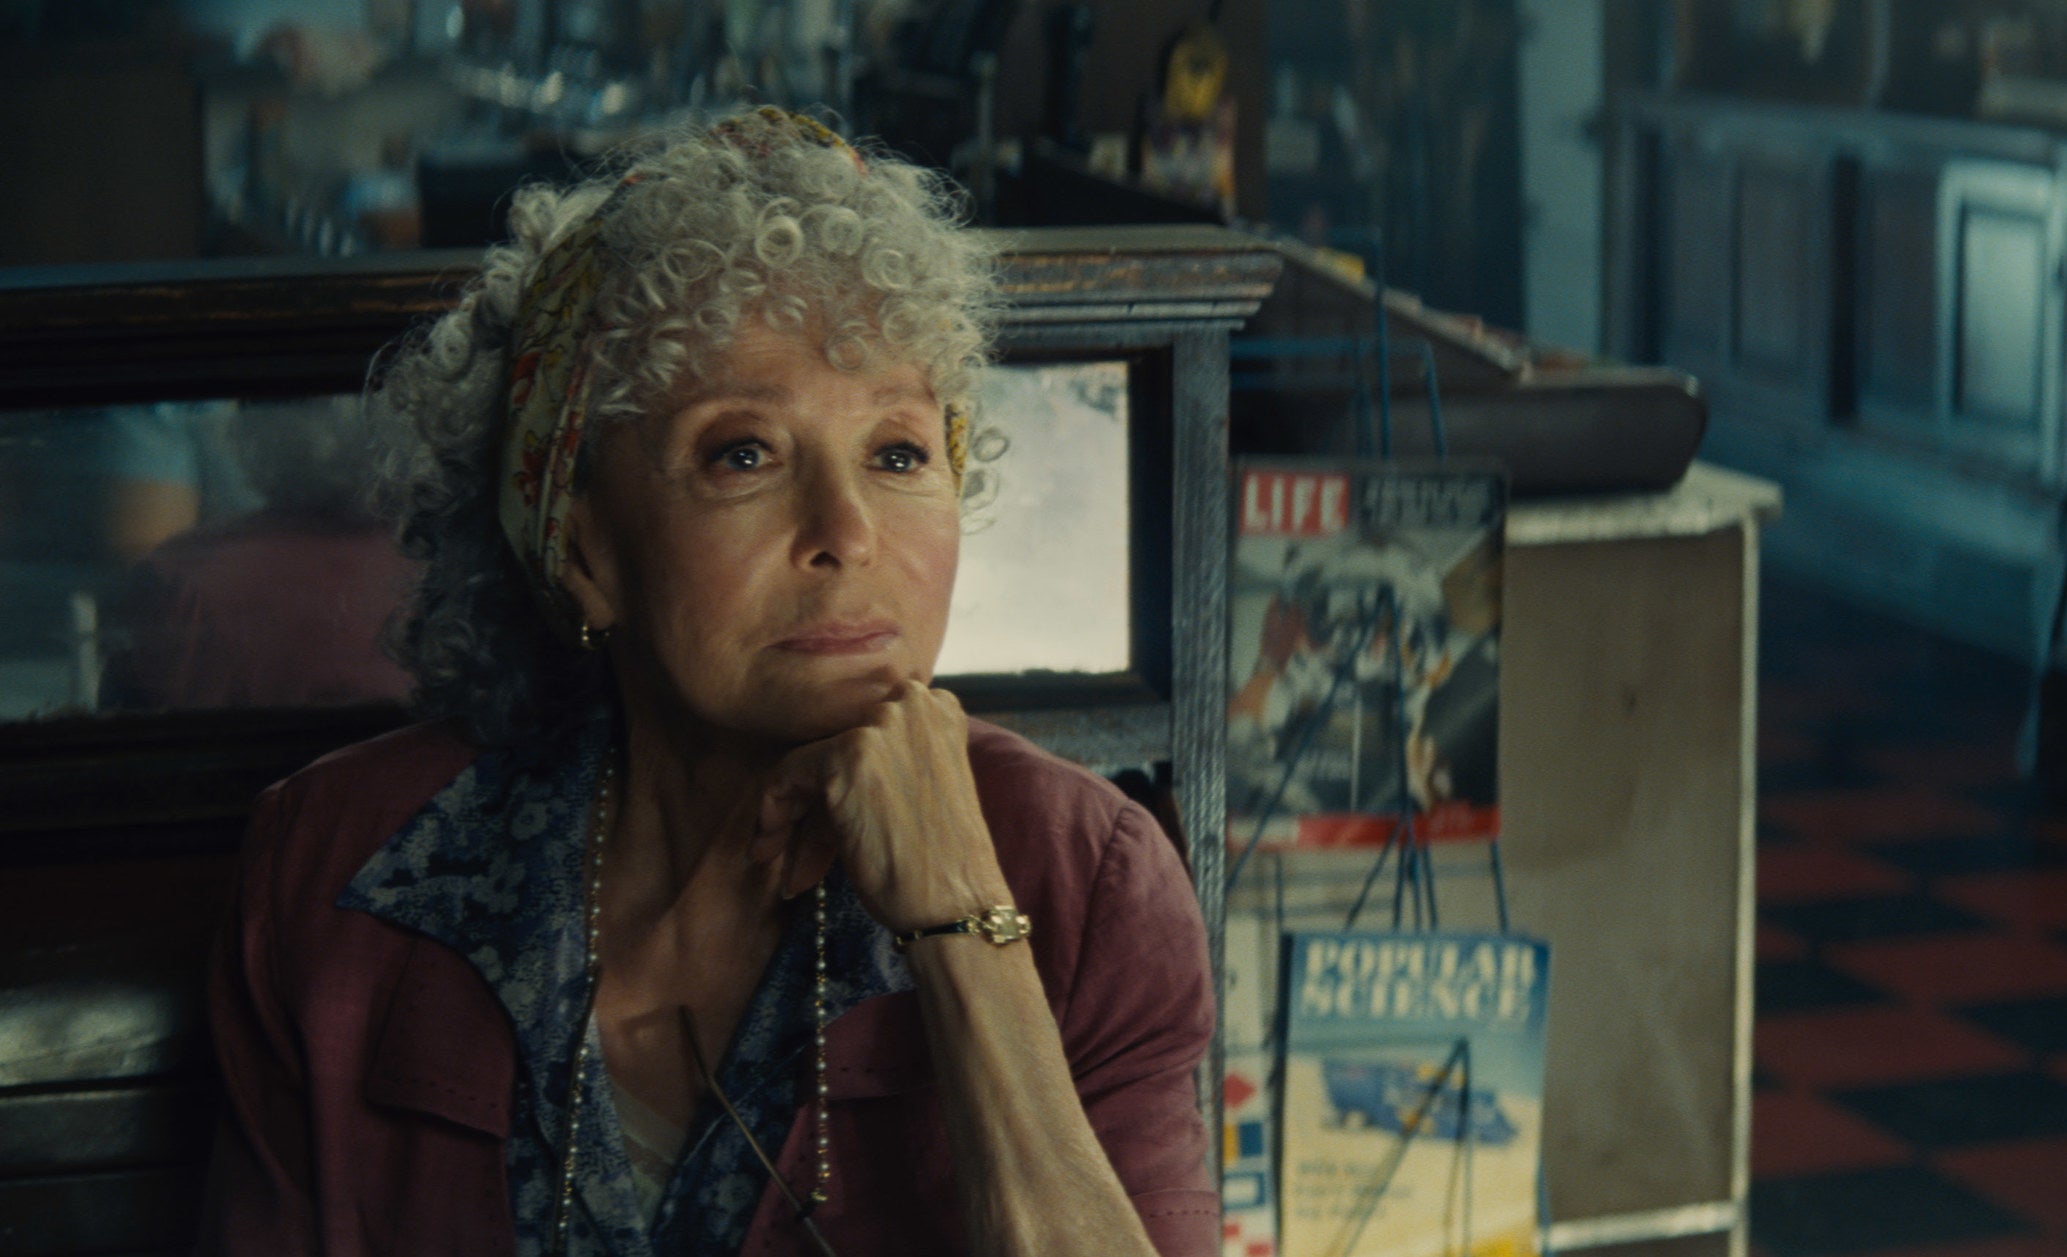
[118,843]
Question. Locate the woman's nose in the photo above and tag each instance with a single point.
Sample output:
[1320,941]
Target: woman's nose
[837,526]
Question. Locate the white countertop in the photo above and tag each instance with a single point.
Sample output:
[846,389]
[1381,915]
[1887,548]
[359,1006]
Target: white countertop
[1708,499]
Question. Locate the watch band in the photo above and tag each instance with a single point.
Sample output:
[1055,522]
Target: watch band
[999,924]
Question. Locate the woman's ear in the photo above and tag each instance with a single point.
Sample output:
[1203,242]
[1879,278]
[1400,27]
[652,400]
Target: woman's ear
[590,572]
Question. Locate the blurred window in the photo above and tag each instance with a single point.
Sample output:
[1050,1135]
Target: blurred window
[1046,579]
[192,555]
[227,554]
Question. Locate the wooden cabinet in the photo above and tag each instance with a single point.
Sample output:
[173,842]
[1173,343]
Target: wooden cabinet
[1955,308]
[1873,304]
[1895,364]
[1998,312]
[1746,263]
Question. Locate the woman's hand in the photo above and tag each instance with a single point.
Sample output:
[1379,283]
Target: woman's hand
[894,799]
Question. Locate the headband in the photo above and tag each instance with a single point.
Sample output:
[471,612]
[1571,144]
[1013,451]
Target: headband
[550,358]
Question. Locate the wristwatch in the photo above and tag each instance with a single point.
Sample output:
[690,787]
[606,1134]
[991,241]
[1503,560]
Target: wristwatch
[1000,923]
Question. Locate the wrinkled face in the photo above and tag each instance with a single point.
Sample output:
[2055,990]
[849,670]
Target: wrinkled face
[774,548]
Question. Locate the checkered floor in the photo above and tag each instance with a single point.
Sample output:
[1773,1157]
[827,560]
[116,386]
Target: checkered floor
[1911,1062]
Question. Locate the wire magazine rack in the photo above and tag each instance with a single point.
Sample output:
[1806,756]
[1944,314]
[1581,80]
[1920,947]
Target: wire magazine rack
[1445,1096]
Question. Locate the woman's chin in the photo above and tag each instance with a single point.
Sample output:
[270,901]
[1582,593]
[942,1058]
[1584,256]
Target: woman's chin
[773,709]
[828,709]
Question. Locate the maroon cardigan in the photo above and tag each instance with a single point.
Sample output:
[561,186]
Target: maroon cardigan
[370,1069]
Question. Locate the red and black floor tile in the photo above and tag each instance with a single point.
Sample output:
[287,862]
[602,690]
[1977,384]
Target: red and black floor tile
[1911,1040]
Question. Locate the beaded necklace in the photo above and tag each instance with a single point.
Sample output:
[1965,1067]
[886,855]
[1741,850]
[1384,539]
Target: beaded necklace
[563,1210]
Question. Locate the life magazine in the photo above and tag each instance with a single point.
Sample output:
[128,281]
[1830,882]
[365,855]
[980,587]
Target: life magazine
[1412,1109]
[1363,652]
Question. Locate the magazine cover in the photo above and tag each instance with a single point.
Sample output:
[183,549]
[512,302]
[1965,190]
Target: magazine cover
[1412,1112]
[1248,1199]
[1248,1156]
[1363,652]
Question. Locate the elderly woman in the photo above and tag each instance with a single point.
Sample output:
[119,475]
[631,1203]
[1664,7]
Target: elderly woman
[696,921]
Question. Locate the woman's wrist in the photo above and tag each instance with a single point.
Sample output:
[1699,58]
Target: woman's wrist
[937,897]
[999,924]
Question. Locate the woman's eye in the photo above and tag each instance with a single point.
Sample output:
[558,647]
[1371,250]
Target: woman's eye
[903,456]
[743,456]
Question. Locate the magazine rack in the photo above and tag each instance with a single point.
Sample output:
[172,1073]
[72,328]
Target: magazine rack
[1309,1172]
[1628,708]
[1370,385]
[1627,713]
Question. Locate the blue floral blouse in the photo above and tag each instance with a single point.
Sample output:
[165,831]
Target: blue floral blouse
[492,868]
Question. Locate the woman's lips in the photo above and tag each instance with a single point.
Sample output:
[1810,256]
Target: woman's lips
[859,637]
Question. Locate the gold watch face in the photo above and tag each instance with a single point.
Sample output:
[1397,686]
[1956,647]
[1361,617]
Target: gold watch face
[1003,925]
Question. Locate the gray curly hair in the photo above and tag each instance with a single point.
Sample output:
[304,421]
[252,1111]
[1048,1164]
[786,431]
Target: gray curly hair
[870,255]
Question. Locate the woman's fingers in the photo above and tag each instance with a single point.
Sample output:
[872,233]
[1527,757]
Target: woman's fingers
[808,858]
[787,796]
[793,822]
[894,799]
